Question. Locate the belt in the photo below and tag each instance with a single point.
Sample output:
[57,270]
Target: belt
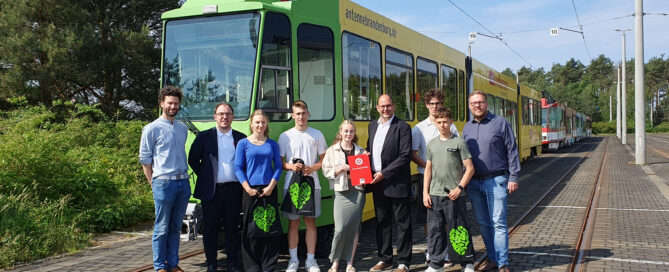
[491,175]
[226,184]
[174,177]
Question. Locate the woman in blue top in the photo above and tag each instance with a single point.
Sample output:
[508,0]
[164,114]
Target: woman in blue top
[258,168]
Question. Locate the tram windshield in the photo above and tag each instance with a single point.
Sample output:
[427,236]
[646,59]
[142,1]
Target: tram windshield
[212,60]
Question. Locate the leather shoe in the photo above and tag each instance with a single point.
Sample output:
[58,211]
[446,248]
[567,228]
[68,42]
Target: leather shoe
[176,269]
[211,268]
[488,265]
[380,266]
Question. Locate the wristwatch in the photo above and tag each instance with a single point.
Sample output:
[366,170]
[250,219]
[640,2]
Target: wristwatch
[461,188]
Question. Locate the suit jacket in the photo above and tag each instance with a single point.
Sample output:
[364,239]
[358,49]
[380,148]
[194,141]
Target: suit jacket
[203,159]
[395,159]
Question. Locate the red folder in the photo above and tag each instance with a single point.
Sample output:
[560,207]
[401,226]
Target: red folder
[361,172]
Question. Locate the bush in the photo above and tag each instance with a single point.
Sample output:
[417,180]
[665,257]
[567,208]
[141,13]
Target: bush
[603,127]
[662,127]
[65,176]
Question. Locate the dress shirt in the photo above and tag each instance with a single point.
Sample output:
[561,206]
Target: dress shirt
[226,157]
[493,146]
[163,145]
[379,140]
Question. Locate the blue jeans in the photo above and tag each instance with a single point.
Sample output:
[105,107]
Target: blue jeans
[170,198]
[488,197]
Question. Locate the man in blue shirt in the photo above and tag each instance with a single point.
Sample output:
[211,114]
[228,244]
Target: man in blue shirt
[162,154]
[495,155]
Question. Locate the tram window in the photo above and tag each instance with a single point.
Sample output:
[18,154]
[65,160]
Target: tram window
[426,79]
[544,118]
[212,60]
[449,84]
[526,110]
[361,65]
[510,109]
[274,93]
[537,113]
[316,70]
[399,82]
[462,91]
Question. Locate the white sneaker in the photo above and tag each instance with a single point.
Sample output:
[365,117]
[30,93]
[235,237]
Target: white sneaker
[469,268]
[293,265]
[312,265]
[430,269]
[427,257]
[448,264]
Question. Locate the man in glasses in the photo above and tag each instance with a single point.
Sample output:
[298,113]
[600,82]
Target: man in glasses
[495,155]
[212,157]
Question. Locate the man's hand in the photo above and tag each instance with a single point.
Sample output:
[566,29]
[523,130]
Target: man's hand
[427,201]
[307,170]
[377,177]
[454,194]
[297,167]
[512,186]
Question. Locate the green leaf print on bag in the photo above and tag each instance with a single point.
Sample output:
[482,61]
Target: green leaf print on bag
[264,217]
[300,194]
[459,239]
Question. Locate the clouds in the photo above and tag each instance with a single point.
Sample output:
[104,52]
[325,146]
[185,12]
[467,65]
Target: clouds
[525,25]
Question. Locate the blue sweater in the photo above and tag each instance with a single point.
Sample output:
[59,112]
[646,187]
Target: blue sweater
[257,164]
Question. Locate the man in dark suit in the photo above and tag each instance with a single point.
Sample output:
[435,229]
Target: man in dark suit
[389,145]
[212,158]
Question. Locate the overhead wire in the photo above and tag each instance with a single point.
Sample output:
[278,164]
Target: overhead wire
[493,34]
[580,26]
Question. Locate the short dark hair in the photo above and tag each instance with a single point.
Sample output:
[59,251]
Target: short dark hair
[224,103]
[485,96]
[300,104]
[169,91]
[434,93]
[443,113]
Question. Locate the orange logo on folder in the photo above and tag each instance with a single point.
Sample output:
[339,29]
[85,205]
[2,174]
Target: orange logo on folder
[361,172]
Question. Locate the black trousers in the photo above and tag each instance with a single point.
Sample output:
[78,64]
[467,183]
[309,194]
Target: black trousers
[225,206]
[385,208]
[258,254]
[440,220]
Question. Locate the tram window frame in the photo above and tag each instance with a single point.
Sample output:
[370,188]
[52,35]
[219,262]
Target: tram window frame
[275,111]
[356,108]
[450,94]
[537,112]
[309,41]
[408,57]
[421,111]
[463,94]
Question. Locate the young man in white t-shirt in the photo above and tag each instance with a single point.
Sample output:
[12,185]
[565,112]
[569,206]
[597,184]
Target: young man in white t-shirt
[421,134]
[308,144]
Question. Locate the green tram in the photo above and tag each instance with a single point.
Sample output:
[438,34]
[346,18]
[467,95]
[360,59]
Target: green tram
[334,54]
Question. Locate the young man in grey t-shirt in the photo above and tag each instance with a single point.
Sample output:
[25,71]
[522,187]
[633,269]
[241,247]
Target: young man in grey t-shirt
[443,189]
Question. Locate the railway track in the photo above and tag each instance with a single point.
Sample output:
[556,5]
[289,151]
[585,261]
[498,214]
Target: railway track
[584,238]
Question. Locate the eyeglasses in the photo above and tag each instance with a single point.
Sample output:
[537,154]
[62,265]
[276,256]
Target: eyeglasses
[478,103]
[221,114]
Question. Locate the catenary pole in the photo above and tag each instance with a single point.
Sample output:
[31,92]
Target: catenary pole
[618,124]
[639,104]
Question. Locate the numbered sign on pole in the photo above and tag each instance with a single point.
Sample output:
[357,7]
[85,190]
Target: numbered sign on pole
[472,36]
[554,31]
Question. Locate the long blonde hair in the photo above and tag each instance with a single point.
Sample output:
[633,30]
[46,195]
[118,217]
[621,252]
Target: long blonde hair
[338,137]
[261,113]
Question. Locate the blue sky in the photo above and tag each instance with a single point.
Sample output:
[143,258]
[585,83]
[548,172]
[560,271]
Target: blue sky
[525,25]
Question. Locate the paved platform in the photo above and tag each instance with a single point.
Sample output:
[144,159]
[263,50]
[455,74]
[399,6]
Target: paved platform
[630,231]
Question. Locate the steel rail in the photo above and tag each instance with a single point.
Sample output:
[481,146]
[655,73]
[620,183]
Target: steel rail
[517,223]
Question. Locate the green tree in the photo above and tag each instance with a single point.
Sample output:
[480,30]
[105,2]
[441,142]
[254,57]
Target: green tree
[92,52]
